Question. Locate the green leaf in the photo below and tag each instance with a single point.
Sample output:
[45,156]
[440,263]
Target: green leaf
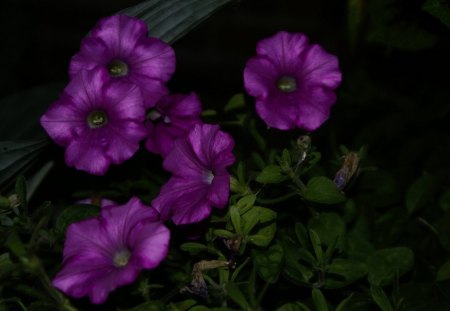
[152,305]
[439,9]
[75,213]
[264,236]
[317,245]
[293,269]
[170,20]
[380,298]
[258,160]
[323,190]
[383,265]
[237,296]
[209,113]
[442,226]
[443,272]
[193,247]
[236,102]
[388,25]
[330,228]
[357,247]
[285,161]
[15,245]
[256,215]
[294,306]
[342,272]
[319,300]
[18,156]
[21,191]
[224,233]
[269,262]
[444,201]
[302,234]
[235,219]
[246,203]
[420,193]
[343,303]
[271,174]
[182,305]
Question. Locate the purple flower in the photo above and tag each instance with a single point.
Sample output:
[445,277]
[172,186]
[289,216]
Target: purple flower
[200,180]
[120,44]
[103,253]
[172,116]
[293,81]
[98,120]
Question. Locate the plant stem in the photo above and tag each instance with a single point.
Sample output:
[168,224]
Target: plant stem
[277,200]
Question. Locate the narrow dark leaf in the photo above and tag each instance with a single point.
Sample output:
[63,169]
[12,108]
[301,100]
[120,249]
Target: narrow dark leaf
[170,20]
[16,156]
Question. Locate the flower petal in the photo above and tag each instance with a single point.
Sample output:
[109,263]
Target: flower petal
[150,244]
[320,68]
[279,110]
[283,49]
[120,33]
[153,58]
[87,154]
[183,200]
[93,52]
[260,77]
[220,190]
[63,122]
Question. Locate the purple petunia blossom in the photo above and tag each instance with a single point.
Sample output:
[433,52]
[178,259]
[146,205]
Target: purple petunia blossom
[120,44]
[172,116]
[99,120]
[293,81]
[198,162]
[103,253]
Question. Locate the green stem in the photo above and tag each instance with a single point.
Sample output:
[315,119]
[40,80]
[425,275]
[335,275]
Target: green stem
[278,199]
[63,303]
[262,293]
[300,185]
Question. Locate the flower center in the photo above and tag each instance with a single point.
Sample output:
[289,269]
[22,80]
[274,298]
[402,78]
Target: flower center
[121,258]
[117,68]
[209,177]
[156,115]
[287,84]
[97,119]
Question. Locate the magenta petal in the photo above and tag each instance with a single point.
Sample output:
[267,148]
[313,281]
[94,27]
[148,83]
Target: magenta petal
[175,114]
[63,123]
[121,32]
[94,52]
[184,106]
[87,155]
[183,200]
[283,49]
[150,244]
[153,58]
[220,190]
[86,88]
[260,77]
[283,119]
[316,108]
[152,89]
[321,68]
